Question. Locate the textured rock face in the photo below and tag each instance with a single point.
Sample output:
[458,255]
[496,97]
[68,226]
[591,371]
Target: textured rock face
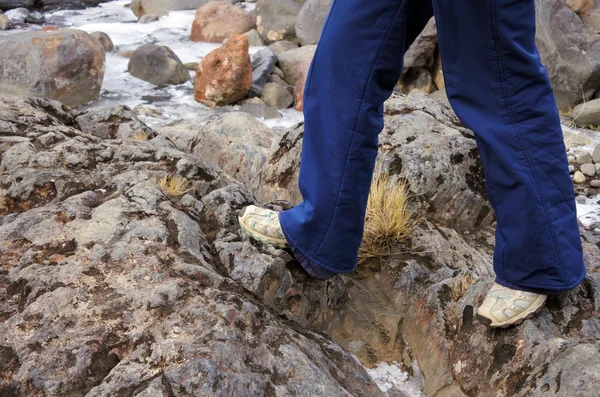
[110,287]
[311,19]
[225,75]
[157,65]
[65,65]
[218,21]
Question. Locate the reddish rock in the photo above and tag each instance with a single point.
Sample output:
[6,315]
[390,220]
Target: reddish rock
[49,29]
[299,89]
[218,21]
[225,75]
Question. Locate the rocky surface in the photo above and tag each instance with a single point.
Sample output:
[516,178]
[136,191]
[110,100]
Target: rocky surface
[311,19]
[276,19]
[158,65]
[4,22]
[49,4]
[290,61]
[65,65]
[218,21]
[160,7]
[109,287]
[225,75]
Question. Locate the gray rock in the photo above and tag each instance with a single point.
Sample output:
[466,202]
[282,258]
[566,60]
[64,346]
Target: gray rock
[595,183]
[277,96]
[588,169]
[104,40]
[282,46]
[117,122]
[421,54]
[289,61]
[571,168]
[260,111]
[584,158]
[587,114]
[254,39]
[65,65]
[263,62]
[310,20]
[596,154]
[148,18]
[581,199]
[35,17]
[157,65]
[17,15]
[276,19]
[4,22]
[161,7]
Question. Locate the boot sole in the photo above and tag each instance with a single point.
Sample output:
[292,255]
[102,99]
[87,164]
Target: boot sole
[518,320]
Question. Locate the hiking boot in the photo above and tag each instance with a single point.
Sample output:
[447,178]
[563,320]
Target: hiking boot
[263,225]
[504,306]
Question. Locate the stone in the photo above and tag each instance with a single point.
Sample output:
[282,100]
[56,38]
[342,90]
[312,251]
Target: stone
[260,111]
[579,6]
[282,46]
[4,22]
[17,15]
[579,139]
[416,79]
[148,18]
[587,114]
[571,168]
[588,169]
[597,168]
[581,199]
[254,39]
[225,75]
[277,96]
[35,17]
[421,53]
[290,60]
[191,66]
[595,183]
[161,7]
[596,154]
[104,40]
[579,177]
[263,62]
[438,74]
[311,19]
[218,21]
[303,70]
[157,65]
[584,158]
[65,65]
[276,20]
[118,122]
[441,97]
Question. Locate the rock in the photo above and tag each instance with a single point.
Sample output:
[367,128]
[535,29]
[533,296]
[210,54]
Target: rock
[276,19]
[161,7]
[191,66]
[569,53]
[277,96]
[47,5]
[588,169]
[110,278]
[148,18]
[260,111]
[104,40]
[579,6]
[416,79]
[579,139]
[303,70]
[587,114]
[4,22]
[289,61]
[579,177]
[438,74]
[571,168]
[282,46]
[17,15]
[263,62]
[595,183]
[310,21]
[35,17]
[218,21]
[225,74]
[421,53]
[157,65]
[584,158]
[118,122]
[254,39]
[66,65]
[441,97]
[237,143]
[10,4]
[596,154]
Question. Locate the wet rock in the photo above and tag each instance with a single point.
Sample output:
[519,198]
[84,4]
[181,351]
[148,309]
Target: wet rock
[277,96]
[225,74]
[289,61]
[65,65]
[276,19]
[218,21]
[104,40]
[587,114]
[303,70]
[310,20]
[157,65]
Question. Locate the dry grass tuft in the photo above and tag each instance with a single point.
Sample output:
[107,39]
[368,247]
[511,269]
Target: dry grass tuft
[139,136]
[174,186]
[388,220]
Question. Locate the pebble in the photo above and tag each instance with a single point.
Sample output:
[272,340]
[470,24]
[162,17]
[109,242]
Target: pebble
[578,177]
[584,158]
[571,168]
[588,169]
[595,183]
[596,154]
[581,199]
[4,22]
[571,158]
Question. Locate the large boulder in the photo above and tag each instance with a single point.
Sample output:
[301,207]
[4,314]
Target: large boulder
[160,7]
[225,75]
[218,21]
[311,20]
[157,65]
[65,65]
[569,51]
[111,287]
[276,19]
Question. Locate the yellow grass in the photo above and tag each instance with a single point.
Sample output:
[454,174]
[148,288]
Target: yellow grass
[174,186]
[139,136]
[388,220]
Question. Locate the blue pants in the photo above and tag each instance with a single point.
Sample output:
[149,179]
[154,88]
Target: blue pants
[497,87]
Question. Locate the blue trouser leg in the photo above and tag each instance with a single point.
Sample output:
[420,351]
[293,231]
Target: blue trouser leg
[354,70]
[499,89]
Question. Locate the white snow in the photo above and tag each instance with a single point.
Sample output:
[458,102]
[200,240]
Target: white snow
[388,376]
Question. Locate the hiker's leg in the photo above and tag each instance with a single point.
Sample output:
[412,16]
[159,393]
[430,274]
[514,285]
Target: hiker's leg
[499,89]
[356,66]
